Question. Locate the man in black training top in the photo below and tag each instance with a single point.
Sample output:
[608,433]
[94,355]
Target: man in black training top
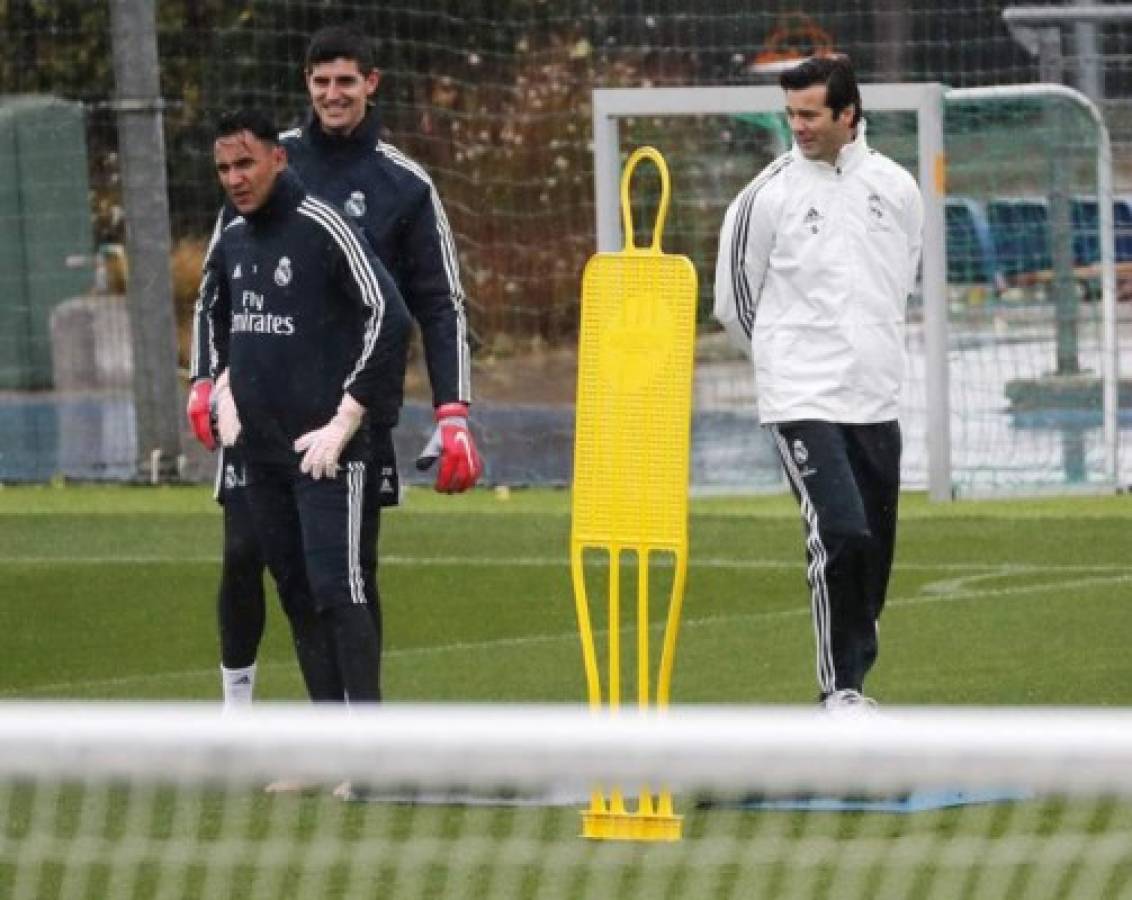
[308,337]
[340,157]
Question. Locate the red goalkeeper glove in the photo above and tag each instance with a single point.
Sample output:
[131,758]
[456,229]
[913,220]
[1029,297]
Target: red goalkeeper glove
[200,412]
[451,443]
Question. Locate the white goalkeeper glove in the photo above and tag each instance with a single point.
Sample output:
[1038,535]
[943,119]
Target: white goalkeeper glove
[224,411]
[322,447]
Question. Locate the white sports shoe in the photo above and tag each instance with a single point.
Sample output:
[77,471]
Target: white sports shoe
[848,703]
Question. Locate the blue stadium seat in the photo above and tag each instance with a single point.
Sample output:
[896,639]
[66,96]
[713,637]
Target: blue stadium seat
[1086,229]
[1122,226]
[970,250]
[1084,214]
[1020,230]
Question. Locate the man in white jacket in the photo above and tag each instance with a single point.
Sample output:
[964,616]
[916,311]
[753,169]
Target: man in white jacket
[817,256]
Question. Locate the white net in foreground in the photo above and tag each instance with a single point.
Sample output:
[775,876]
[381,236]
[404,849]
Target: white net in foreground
[143,801]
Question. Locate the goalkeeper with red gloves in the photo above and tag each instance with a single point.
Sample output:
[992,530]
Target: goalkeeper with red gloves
[307,337]
[339,155]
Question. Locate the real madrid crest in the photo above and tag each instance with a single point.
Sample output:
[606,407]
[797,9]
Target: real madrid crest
[877,220]
[356,204]
[875,208]
[283,272]
[801,454]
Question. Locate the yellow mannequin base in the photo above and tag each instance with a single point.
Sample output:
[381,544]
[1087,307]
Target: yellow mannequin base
[626,826]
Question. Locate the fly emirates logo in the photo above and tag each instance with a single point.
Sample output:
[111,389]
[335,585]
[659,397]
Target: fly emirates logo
[252,317]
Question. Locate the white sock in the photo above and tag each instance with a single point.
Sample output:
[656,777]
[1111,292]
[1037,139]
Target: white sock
[239,684]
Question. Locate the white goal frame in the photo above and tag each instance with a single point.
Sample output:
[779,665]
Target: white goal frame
[545,747]
[926,100]
[468,801]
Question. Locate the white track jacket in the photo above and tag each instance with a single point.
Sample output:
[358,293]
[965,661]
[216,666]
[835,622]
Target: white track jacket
[815,265]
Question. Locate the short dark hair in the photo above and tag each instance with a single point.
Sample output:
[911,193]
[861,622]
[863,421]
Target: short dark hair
[836,73]
[252,120]
[341,42]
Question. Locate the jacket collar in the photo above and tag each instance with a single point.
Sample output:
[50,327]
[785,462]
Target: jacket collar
[287,193]
[364,137]
[847,158]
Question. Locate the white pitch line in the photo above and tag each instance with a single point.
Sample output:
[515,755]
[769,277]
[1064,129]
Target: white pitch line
[661,560]
[531,640]
[941,596]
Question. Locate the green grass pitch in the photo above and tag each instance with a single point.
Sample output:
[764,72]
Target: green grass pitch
[109,594]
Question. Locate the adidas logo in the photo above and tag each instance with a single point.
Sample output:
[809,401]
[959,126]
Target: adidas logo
[237,272]
[243,679]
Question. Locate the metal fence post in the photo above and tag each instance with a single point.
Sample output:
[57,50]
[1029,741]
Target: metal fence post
[149,295]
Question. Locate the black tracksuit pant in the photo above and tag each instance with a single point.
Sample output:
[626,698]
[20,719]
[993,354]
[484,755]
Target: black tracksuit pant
[311,534]
[846,479]
[241,610]
[240,605]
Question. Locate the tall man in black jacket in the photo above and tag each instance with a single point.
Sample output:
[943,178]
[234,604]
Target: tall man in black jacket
[339,155]
[308,335]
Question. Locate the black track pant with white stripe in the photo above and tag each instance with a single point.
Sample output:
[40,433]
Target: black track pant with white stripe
[846,479]
[311,534]
[241,609]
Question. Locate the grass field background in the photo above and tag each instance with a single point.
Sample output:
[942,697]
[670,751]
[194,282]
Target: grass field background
[109,593]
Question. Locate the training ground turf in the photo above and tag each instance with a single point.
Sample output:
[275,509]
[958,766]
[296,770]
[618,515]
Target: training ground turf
[109,593]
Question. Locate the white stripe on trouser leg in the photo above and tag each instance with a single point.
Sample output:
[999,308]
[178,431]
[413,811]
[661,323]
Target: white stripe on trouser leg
[218,482]
[815,572]
[355,482]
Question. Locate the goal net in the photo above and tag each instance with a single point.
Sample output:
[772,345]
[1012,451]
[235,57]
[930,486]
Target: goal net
[1014,399]
[477,802]
[493,100]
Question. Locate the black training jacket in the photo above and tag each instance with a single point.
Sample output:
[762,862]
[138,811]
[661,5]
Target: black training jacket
[299,309]
[393,201]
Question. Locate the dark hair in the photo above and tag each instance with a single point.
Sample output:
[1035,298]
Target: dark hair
[245,118]
[341,42]
[836,73]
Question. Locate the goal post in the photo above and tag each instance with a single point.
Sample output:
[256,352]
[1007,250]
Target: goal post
[925,100]
[477,802]
[539,749]
[1106,236]
[977,340]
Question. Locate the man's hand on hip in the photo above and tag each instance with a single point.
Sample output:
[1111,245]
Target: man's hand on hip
[322,447]
[451,443]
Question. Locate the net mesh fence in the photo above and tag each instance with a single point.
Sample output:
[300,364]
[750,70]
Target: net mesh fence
[493,98]
[145,802]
